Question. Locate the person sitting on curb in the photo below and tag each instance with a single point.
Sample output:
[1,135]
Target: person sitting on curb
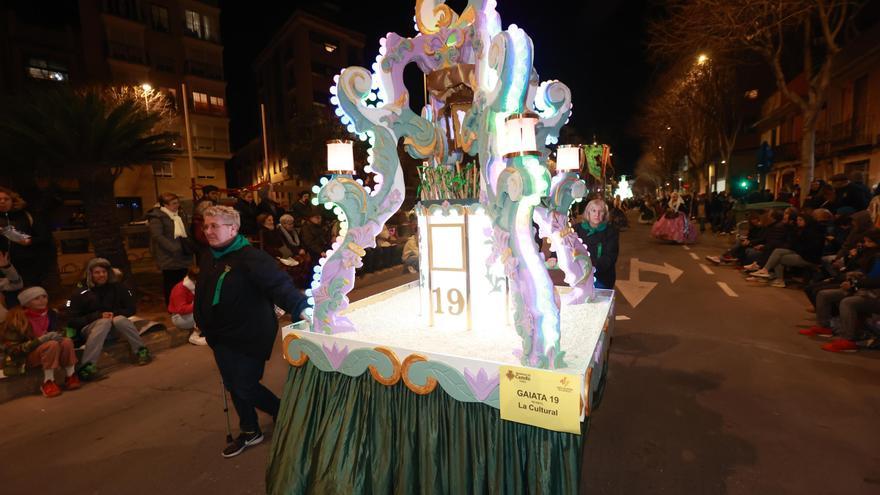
[34,337]
[104,305]
[410,256]
[181,306]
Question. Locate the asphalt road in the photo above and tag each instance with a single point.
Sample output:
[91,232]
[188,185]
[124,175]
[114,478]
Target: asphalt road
[708,394]
[712,391]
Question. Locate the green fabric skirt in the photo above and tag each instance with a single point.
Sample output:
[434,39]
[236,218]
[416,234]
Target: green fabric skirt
[341,435]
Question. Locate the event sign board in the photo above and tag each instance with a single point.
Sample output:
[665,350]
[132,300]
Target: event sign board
[545,399]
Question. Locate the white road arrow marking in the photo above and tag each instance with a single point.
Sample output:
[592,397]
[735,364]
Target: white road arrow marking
[670,271]
[635,291]
[727,290]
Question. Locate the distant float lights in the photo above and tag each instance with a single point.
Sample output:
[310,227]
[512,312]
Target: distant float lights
[340,156]
[519,135]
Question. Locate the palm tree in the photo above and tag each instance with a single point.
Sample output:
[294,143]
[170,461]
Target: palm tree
[89,135]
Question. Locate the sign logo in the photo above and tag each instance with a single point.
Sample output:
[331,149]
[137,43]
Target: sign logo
[510,375]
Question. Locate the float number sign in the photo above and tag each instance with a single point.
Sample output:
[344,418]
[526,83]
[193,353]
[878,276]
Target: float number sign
[448,276]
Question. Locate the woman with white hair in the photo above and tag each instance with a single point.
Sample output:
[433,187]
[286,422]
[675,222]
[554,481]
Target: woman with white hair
[674,225]
[602,240]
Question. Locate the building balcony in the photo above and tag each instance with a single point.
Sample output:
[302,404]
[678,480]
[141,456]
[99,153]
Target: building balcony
[206,109]
[127,53]
[125,9]
[787,152]
[851,133]
[212,38]
[216,145]
[207,71]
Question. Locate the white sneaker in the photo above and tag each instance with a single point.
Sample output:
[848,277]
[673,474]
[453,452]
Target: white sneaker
[411,269]
[752,267]
[714,259]
[778,283]
[197,339]
[761,273]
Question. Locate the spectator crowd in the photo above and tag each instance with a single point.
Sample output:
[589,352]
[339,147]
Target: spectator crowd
[66,342]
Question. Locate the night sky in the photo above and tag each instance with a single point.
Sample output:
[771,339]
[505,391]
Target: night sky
[596,47]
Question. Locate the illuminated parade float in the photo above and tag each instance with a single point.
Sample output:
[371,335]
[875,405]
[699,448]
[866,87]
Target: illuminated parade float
[479,377]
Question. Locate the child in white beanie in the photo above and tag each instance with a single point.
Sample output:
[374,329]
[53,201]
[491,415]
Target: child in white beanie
[34,337]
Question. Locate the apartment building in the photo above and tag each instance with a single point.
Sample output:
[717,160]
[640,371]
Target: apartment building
[294,73]
[848,133]
[164,46]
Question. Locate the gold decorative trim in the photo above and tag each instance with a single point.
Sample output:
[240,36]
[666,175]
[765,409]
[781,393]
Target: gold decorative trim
[395,364]
[303,357]
[430,383]
[521,153]
[356,249]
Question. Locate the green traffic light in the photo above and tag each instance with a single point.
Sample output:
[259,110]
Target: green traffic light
[744,184]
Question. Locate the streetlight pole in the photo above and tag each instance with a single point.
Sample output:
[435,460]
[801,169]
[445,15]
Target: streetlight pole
[147,89]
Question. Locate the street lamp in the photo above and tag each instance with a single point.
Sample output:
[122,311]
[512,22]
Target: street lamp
[702,58]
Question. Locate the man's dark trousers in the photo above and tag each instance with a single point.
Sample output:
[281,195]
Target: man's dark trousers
[241,375]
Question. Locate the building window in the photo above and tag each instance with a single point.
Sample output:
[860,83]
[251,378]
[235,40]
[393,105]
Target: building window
[206,171]
[159,18]
[208,28]
[217,102]
[194,23]
[164,169]
[200,101]
[41,69]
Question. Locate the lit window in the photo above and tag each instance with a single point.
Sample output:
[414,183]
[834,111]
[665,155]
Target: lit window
[329,47]
[164,169]
[752,94]
[216,101]
[200,98]
[41,69]
[194,23]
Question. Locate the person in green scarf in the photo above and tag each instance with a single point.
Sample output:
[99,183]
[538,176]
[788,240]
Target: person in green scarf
[237,291]
[602,240]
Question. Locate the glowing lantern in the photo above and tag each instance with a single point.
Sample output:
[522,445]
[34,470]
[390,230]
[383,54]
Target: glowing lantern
[340,156]
[519,134]
[568,157]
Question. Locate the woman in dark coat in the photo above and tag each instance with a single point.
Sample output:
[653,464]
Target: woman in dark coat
[247,212]
[601,239]
[806,251]
[170,241]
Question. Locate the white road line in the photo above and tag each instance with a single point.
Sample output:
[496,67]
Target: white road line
[685,247]
[707,269]
[694,256]
[621,317]
[727,290]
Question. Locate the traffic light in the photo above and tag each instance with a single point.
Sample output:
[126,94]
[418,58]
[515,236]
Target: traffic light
[744,184]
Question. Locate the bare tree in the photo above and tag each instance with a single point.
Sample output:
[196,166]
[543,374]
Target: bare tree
[774,29]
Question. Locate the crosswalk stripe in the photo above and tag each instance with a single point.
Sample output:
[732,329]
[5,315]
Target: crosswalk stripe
[707,269]
[727,290]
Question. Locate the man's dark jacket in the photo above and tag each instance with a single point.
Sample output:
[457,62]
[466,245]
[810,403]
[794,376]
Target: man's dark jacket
[90,304]
[244,318]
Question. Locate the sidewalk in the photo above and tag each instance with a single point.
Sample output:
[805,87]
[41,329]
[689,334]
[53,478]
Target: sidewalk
[151,306]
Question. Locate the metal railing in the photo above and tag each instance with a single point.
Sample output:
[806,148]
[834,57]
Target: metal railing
[200,69]
[128,53]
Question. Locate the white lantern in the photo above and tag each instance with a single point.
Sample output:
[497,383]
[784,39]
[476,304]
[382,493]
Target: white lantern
[568,157]
[519,135]
[340,156]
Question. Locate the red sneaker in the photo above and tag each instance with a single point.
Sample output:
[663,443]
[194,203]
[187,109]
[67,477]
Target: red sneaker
[841,345]
[49,389]
[816,331]
[72,382]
